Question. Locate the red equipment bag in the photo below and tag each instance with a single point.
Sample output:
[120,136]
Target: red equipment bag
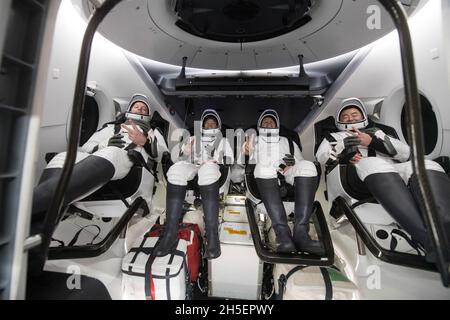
[191,233]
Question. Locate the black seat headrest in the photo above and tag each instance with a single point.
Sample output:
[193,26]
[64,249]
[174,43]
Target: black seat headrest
[322,129]
[386,129]
[162,124]
[291,135]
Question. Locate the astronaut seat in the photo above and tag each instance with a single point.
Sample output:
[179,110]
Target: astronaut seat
[256,208]
[287,191]
[89,219]
[349,196]
[113,199]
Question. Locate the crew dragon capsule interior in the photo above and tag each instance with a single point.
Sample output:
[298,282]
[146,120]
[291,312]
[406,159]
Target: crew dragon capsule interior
[108,109]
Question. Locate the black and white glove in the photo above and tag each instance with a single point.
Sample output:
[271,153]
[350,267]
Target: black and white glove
[116,141]
[351,142]
[350,149]
[289,160]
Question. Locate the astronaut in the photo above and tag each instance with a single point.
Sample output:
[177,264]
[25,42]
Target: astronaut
[382,163]
[104,157]
[273,156]
[200,156]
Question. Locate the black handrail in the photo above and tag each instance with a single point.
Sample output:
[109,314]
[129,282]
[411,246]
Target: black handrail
[270,256]
[53,215]
[393,257]
[94,250]
[415,135]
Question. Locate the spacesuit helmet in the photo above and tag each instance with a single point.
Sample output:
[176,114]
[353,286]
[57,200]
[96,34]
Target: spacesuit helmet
[352,103]
[141,119]
[269,134]
[210,134]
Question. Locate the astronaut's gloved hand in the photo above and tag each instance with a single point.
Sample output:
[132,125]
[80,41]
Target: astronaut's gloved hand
[188,147]
[116,141]
[351,142]
[289,160]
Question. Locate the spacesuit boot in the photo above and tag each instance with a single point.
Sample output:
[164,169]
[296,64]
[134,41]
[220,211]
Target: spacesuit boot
[47,174]
[50,173]
[87,175]
[210,201]
[395,197]
[270,195]
[174,206]
[440,187]
[305,190]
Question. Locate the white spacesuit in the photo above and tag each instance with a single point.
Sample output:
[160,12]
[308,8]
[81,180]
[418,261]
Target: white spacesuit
[274,155]
[270,149]
[104,157]
[384,154]
[200,156]
[384,167]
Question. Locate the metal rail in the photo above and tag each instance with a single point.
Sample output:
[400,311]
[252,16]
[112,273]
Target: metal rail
[271,256]
[415,134]
[53,215]
[94,250]
[393,257]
